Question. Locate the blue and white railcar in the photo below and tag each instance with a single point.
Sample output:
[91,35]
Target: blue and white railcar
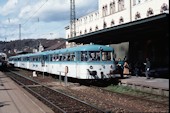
[3,59]
[24,61]
[82,62]
[20,61]
[38,61]
[14,60]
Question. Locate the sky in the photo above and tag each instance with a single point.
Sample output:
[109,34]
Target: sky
[39,18]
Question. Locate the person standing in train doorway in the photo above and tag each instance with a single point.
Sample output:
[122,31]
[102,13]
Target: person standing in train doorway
[147,68]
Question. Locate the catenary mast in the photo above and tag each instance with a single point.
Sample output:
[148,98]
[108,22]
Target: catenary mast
[72,19]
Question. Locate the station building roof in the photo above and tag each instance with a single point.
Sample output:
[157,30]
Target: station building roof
[148,28]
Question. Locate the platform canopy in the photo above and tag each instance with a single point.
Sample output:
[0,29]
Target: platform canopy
[148,28]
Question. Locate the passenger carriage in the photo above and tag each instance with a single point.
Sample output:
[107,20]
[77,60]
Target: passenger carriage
[3,59]
[82,62]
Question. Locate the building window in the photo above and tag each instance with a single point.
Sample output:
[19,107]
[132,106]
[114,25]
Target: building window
[85,31]
[120,5]
[139,1]
[104,11]
[90,30]
[134,2]
[85,20]
[112,7]
[104,25]
[121,20]
[96,28]
[90,18]
[150,12]
[96,15]
[112,23]
[164,7]
[137,16]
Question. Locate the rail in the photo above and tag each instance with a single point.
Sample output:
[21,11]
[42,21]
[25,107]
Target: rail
[52,97]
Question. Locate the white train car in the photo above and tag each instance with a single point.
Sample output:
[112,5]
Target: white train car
[82,62]
[3,59]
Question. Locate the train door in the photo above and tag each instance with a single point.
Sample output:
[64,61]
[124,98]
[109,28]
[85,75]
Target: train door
[27,62]
[78,59]
[45,58]
[73,65]
[18,62]
[48,60]
[44,63]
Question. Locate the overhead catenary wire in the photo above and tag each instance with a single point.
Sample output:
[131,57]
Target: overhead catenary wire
[29,17]
[35,12]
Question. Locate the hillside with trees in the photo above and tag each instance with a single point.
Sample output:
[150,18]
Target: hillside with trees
[30,45]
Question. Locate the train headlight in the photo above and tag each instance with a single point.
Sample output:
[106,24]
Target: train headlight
[111,66]
[91,67]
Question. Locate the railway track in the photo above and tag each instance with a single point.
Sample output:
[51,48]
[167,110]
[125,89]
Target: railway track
[56,100]
[106,100]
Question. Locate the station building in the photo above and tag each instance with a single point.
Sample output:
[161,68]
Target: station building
[134,28]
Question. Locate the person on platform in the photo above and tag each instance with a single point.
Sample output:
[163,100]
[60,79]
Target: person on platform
[126,71]
[147,68]
[120,67]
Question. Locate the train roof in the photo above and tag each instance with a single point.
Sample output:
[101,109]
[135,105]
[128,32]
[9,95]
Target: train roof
[83,48]
[72,49]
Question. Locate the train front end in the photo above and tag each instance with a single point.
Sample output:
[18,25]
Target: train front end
[96,62]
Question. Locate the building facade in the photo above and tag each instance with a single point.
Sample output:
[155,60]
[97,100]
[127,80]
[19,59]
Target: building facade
[112,13]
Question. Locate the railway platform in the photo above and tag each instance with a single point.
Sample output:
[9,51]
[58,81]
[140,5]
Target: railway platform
[158,86]
[14,99]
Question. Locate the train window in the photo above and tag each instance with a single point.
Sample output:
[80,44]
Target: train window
[50,57]
[60,57]
[31,59]
[106,56]
[64,57]
[84,56]
[94,56]
[27,58]
[19,59]
[35,59]
[72,57]
[67,57]
[45,58]
[55,57]
[39,58]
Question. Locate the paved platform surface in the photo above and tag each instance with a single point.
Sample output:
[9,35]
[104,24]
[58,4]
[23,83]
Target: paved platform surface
[153,82]
[14,99]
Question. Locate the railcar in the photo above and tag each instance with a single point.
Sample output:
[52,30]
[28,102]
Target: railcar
[86,62]
[3,59]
